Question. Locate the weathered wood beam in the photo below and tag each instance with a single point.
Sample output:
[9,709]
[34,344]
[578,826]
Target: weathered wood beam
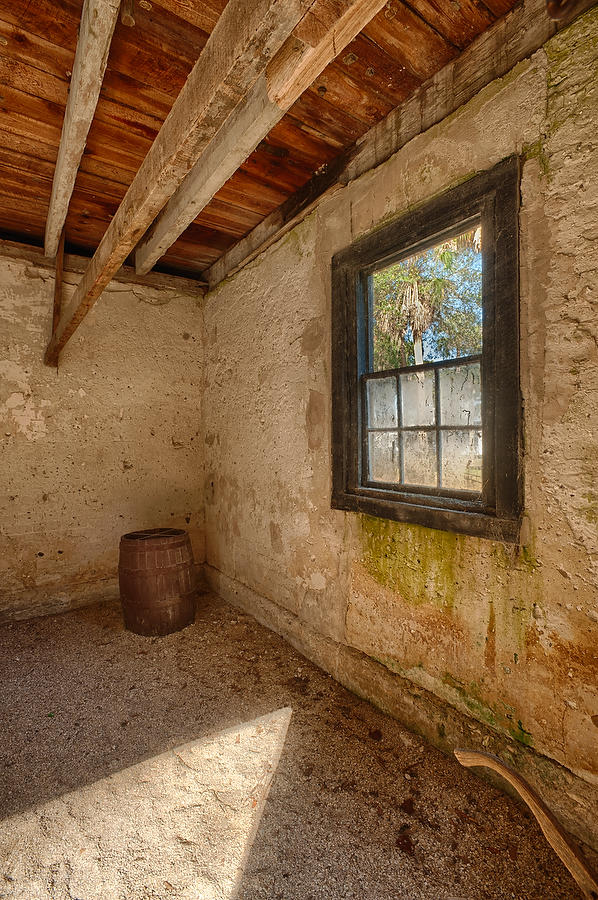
[511,39]
[299,205]
[98,20]
[289,74]
[76,265]
[246,37]
[58,273]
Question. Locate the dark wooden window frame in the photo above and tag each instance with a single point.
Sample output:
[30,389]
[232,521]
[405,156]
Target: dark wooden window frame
[492,199]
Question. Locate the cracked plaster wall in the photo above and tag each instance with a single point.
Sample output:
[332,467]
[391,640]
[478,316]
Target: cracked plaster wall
[506,635]
[108,443]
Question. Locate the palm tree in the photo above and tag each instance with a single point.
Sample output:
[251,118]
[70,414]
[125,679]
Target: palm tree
[415,294]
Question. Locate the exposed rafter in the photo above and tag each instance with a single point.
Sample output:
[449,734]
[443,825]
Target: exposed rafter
[279,222]
[510,40]
[248,34]
[76,265]
[58,275]
[98,20]
[325,32]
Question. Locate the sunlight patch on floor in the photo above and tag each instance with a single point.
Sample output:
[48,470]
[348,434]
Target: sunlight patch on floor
[178,825]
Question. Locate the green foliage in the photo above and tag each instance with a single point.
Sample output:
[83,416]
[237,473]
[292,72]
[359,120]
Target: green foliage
[434,299]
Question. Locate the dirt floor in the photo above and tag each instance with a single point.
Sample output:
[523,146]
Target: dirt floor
[217,763]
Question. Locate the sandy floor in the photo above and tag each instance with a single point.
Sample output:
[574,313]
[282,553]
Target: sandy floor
[217,763]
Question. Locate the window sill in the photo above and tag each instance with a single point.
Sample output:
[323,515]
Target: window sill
[477,524]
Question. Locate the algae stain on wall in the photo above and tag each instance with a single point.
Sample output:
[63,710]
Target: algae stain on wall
[494,712]
[421,564]
[470,696]
[482,589]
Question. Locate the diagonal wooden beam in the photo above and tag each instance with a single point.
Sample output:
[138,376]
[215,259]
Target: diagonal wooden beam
[295,208]
[98,20]
[58,275]
[325,32]
[246,37]
[495,52]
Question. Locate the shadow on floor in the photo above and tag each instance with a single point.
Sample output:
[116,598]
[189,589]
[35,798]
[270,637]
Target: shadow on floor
[358,807]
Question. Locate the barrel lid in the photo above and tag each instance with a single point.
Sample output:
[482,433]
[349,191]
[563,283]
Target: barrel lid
[151,533]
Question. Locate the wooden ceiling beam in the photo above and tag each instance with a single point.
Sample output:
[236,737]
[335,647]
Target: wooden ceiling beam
[98,20]
[58,275]
[248,34]
[505,43]
[325,31]
[275,225]
[76,265]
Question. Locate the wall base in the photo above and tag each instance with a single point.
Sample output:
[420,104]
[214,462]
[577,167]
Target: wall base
[573,800]
[35,602]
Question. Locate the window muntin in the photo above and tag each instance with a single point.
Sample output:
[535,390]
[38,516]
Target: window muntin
[423,428]
[415,447]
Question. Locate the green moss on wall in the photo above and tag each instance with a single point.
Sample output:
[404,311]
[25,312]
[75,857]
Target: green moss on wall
[390,663]
[471,696]
[590,509]
[538,151]
[520,734]
[428,566]
[582,32]
[421,564]
[424,565]
[576,43]
[499,715]
[517,557]
[527,559]
[293,241]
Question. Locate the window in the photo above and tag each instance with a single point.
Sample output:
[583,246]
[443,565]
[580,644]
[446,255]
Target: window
[426,404]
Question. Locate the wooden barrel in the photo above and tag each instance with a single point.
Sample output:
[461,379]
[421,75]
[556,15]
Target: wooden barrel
[157,584]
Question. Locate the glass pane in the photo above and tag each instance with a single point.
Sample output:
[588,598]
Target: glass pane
[417,398]
[384,456]
[461,395]
[462,460]
[419,458]
[428,307]
[382,402]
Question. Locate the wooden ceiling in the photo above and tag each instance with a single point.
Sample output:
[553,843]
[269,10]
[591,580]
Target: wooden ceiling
[402,46]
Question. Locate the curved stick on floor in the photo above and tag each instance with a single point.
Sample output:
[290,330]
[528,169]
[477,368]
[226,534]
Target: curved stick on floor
[554,833]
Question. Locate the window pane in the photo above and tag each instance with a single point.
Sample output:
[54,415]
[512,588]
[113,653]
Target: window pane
[382,402]
[419,458]
[462,460]
[384,456]
[428,307]
[417,398]
[461,395]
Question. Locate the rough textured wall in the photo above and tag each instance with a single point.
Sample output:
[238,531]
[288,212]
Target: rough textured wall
[108,443]
[508,635]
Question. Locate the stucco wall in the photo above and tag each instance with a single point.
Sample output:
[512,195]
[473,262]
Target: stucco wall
[108,443]
[505,634]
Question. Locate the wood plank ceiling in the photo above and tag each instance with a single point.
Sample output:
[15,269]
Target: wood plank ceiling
[403,45]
